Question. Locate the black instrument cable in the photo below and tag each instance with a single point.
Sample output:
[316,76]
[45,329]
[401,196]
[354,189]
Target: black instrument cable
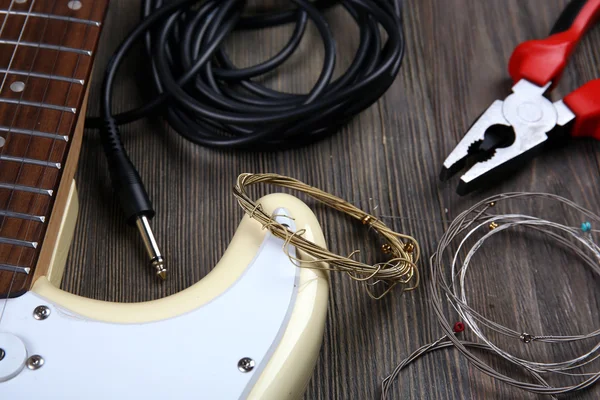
[211,102]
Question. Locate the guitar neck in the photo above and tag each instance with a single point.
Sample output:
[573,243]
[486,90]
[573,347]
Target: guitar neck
[46,52]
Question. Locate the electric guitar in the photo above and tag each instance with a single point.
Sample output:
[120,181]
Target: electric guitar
[252,328]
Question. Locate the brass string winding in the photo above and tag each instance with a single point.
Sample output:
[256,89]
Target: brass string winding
[400,269]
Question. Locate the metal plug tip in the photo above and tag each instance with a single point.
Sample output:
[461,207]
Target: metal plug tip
[162,275]
[156,259]
[159,265]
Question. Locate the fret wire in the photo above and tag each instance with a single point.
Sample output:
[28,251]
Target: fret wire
[16,242]
[64,138]
[52,16]
[34,190]
[14,268]
[40,105]
[11,214]
[46,46]
[31,189]
[81,52]
[17,46]
[25,160]
[1,87]
[43,174]
[87,31]
[40,75]
[6,19]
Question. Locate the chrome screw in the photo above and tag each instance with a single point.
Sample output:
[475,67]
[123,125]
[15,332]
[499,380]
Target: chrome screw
[41,313]
[35,362]
[246,364]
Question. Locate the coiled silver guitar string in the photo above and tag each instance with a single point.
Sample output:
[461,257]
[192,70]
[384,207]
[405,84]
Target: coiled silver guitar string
[448,286]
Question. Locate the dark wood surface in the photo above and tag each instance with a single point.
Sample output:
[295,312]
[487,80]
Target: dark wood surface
[57,124]
[386,161]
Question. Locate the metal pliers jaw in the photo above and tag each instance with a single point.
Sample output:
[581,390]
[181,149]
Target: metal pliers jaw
[508,133]
[512,131]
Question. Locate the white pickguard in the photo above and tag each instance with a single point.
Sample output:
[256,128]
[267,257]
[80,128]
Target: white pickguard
[194,355]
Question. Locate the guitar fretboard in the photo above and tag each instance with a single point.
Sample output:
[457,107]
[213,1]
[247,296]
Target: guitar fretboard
[46,53]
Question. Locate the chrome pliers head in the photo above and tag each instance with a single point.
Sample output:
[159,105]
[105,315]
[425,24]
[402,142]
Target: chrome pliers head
[512,131]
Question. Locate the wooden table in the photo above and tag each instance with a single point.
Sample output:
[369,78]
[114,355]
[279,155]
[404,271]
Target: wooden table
[386,161]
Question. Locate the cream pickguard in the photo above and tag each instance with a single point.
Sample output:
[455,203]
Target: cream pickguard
[252,328]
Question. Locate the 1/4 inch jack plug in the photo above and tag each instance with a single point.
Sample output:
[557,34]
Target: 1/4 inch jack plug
[156,259]
[132,194]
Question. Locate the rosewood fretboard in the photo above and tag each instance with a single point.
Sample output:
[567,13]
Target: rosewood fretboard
[46,53]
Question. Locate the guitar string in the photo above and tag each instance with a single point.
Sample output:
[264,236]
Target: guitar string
[2,31]
[14,274]
[60,119]
[92,9]
[42,176]
[447,281]
[32,6]
[402,249]
[15,114]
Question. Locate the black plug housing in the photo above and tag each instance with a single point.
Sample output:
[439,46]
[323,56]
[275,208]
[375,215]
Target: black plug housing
[126,181]
[130,190]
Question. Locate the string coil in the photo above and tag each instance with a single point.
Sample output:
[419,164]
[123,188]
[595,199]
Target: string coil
[403,250]
[448,287]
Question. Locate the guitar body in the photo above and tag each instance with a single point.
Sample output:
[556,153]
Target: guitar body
[255,304]
[252,328]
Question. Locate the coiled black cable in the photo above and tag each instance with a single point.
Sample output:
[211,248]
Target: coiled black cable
[213,103]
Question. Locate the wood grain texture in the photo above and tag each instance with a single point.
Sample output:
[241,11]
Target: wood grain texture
[386,161]
[37,122]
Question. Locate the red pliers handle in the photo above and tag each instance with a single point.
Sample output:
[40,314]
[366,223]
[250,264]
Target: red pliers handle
[514,130]
[543,62]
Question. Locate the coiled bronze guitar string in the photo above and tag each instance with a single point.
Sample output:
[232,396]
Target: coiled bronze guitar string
[448,287]
[400,269]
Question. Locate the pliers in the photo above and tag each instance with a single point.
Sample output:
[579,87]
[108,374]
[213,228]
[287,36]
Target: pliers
[513,131]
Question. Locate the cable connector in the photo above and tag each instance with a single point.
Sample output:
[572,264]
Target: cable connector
[130,190]
[156,259]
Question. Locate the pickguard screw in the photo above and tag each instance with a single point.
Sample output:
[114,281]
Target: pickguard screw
[41,313]
[246,364]
[35,362]
[2,354]
[526,337]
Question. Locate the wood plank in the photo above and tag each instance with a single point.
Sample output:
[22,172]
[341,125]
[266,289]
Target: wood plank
[387,161]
